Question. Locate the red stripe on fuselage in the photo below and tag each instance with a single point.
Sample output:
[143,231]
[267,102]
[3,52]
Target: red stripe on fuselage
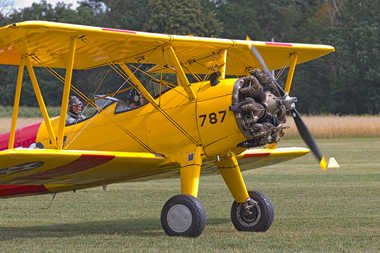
[84,162]
[20,190]
[24,137]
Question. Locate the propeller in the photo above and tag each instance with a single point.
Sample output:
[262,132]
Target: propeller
[289,103]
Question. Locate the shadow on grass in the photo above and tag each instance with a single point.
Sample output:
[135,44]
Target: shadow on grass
[126,227]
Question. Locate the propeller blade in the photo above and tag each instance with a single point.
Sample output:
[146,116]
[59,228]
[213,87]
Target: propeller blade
[261,60]
[302,128]
[308,138]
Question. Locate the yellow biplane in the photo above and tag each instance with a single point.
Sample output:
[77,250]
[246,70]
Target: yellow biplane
[184,129]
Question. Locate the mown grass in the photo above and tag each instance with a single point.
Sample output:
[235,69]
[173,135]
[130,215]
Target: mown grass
[337,210]
[322,126]
[28,112]
[35,112]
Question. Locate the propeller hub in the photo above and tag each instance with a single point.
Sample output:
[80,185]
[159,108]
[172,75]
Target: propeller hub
[289,102]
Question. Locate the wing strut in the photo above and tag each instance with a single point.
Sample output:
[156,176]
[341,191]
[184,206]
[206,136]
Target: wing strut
[136,82]
[40,100]
[292,67]
[66,92]
[222,67]
[16,102]
[147,95]
[180,73]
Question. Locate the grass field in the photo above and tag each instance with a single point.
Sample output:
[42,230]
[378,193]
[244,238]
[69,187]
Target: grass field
[320,126]
[337,210]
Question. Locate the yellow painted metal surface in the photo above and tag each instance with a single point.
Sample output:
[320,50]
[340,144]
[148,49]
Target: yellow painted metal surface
[292,67]
[63,170]
[257,158]
[72,167]
[190,170]
[131,46]
[16,103]
[230,171]
[40,100]
[216,123]
[323,163]
[66,92]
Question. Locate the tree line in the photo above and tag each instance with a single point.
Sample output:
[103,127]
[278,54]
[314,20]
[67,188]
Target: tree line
[344,82]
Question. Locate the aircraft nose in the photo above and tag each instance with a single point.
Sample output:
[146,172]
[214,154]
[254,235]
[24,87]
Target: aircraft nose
[258,109]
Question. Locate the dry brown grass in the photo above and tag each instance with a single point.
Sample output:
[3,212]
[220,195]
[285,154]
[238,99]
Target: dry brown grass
[5,123]
[337,126]
[320,126]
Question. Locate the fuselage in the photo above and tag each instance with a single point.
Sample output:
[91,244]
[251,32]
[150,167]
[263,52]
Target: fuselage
[206,121]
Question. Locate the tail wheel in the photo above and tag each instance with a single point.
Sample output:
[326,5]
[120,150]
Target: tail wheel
[257,218]
[183,215]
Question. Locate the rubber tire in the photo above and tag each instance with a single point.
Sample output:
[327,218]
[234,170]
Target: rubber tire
[250,222]
[194,206]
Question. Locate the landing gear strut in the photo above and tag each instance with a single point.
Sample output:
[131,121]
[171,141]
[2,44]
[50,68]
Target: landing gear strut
[253,217]
[183,215]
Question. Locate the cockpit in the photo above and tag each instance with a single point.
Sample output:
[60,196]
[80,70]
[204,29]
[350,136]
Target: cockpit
[156,89]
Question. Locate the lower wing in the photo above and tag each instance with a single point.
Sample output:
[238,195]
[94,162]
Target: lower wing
[40,171]
[257,158]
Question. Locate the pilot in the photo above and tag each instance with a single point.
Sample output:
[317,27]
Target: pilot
[75,110]
[135,99]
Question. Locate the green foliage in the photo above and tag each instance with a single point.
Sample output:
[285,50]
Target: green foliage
[344,82]
[44,11]
[356,64]
[182,17]
[239,19]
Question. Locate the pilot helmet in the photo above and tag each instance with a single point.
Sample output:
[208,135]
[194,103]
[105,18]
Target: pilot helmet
[134,97]
[73,103]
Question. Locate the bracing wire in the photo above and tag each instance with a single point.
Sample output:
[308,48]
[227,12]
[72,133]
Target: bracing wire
[79,93]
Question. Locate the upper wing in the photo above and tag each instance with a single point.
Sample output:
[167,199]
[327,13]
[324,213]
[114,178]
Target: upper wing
[48,43]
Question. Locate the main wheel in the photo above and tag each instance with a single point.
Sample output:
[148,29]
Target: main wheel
[258,218]
[183,215]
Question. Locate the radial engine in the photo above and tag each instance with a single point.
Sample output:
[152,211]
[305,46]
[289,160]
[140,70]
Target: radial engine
[259,109]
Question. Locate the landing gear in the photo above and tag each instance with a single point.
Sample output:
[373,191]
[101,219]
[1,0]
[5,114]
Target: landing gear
[183,215]
[257,216]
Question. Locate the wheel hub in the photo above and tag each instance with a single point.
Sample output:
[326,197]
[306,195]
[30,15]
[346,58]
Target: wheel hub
[179,218]
[248,217]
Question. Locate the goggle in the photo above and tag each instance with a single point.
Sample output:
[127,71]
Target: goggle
[75,106]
